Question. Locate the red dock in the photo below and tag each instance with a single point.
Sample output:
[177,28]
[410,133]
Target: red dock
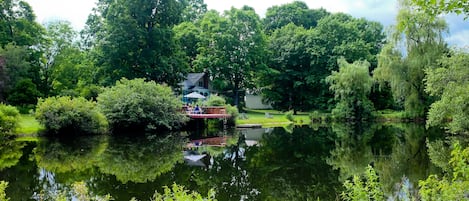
[211,112]
[208,116]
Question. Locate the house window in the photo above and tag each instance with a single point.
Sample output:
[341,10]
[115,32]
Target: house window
[201,84]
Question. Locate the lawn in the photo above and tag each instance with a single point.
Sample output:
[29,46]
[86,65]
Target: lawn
[270,118]
[28,125]
[273,118]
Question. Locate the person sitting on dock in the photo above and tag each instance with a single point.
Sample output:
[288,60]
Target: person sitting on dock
[197,110]
[188,109]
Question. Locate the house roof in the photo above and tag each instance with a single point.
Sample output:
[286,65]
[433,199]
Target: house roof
[193,78]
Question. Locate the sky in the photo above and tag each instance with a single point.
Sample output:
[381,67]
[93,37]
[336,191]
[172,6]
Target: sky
[384,11]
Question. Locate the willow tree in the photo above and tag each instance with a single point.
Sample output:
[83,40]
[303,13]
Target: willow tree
[351,86]
[415,44]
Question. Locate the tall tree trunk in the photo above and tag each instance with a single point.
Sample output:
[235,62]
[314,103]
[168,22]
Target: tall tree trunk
[236,97]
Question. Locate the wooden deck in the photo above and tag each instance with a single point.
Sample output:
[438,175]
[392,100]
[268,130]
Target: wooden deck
[208,113]
[208,116]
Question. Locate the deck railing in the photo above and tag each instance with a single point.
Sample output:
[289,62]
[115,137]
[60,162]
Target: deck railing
[206,112]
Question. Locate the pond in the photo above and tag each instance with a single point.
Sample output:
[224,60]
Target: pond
[292,163]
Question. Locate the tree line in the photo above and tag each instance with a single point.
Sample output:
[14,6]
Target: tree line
[297,58]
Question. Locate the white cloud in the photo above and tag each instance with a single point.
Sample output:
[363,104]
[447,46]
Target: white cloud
[74,11]
[459,39]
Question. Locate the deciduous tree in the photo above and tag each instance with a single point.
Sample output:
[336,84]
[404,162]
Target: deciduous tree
[135,40]
[288,83]
[450,82]
[296,12]
[233,51]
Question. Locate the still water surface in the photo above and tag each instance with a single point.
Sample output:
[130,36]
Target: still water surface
[295,163]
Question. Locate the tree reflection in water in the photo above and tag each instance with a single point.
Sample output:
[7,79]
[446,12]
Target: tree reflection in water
[303,163]
[17,168]
[282,166]
[395,151]
[10,151]
[140,160]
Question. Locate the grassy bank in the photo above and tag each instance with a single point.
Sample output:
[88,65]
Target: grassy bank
[28,125]
[273,118]
[270,118]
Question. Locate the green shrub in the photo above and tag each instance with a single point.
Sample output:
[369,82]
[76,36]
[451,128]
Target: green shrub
[9,117]
[215,100]
[66,114]
[233,111]
[140,105]
[24,93]
[3,186]
[453,186]
[367,189]
[177,192]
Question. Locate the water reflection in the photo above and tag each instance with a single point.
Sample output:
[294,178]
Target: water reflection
[10,151]
[291,166]
[17,169]
[303,163]
[395,151]
[352,152]
[140,159]
[72,156]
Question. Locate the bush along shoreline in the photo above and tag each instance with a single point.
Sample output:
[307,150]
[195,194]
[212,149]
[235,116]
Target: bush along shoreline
[131,106]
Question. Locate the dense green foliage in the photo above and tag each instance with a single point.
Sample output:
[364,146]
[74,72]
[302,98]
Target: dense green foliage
[285,56]
[291,78]
[9,117]
[296,12]
[19,32]
[215,100]
[233,50]
[367,189]
[424,44]
[302,59]
[66,115]
[450,82]
[450,187]
[133,40]
[351,86]
[437,7]
[3,186]
[66,69]
[133,105]
[16,85]
[177,192]
[18,24]
[453,185]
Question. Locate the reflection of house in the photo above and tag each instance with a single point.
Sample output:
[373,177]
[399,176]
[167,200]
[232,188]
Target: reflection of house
[253,136]
[196,82]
